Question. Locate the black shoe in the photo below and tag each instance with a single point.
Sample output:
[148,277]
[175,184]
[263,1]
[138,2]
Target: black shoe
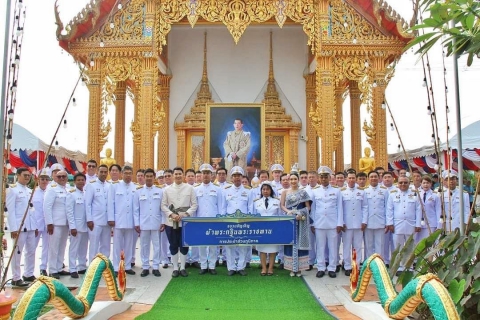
[74,275]
[183,273]
[310,267]
[348,273]
[64,273]
[156,273]
[130,272]
[187,265]
[387,265]
[224,263]
[19,283]
[398,273]
[332,274]
[338,268]
[281,266]
[43,272]
[55,275]
[242,272]
[29,279]
[247,265]
[175,274]
[320,274]
[217,263]
[132,264]
[203,271]
[279,261]
[82,271]
[145,272]
[196,265]
[213,272]
[165,266]
[231,272]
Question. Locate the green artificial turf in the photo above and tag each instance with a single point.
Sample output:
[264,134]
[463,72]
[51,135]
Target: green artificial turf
[222,297]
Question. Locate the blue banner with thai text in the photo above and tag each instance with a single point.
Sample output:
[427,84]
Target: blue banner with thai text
[238,231]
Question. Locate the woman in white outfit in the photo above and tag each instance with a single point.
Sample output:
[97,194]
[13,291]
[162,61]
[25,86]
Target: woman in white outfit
[267,205]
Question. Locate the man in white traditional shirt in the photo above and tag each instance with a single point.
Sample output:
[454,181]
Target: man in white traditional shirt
[179,201]
[236,197]
[17,203]
[96,195]
[120,217]
[148,222]
[77,223]
[209,200]
[54,207]
[37,200]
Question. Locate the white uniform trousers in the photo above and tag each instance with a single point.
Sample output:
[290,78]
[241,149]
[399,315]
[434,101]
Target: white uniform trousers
[374,241]
[134,246]
[399,240]
[423,234]
[77,252]
[312,253]
[236,252]
[147,237]
[352,238]
[326,237]
[208,257]
[194,255]
[164,248]
[99,239]
[248,257]
[388,247]
[26,241]
[56,248]
[122,241]
[44,259]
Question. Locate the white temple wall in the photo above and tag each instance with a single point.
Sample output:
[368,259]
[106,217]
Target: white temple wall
[237,72]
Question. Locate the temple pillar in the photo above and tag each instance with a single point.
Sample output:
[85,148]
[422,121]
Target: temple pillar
[325,90]
[94,85]
[339,153]
[311,133]
[379,121]
[356,133]
[135,128]
[163,136]
[120,94]
[146,102]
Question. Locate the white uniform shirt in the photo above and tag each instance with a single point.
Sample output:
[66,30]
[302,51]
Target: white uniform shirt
[433,207]
[90,178]
[17,202]
[120,204]
[76,210]
[355,211]
[272,210]
[404,211]
[377,198]
[453,210]
[55,205]
[236,198]
[96,194]
[146,207]
[209,200]
[327,207]
[37,201]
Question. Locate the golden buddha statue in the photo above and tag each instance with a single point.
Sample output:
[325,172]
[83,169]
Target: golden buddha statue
[108,160]
[366,164]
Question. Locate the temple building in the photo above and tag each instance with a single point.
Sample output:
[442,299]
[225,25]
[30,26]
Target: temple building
[192,67]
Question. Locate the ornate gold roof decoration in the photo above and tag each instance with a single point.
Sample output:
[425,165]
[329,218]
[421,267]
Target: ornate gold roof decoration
[275,115]
[196,118]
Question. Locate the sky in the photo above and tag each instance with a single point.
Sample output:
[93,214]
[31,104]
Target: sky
[48,76]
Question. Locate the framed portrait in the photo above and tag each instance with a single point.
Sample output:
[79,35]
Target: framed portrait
[235,136]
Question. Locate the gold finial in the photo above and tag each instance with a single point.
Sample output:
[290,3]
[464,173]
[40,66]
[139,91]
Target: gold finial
[205,75]
[270,71]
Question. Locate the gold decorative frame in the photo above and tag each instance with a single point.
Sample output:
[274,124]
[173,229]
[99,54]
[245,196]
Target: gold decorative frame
[225,113]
